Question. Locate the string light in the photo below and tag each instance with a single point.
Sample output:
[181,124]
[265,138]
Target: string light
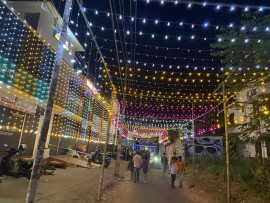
[202,68]
[181,23]
[101,123]
[30,61]
[173,36]
[218,5]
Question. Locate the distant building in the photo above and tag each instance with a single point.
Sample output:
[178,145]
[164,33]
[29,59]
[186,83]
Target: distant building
[240,112]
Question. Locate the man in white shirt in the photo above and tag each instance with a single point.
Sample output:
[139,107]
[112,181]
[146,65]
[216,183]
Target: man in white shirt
[137,160]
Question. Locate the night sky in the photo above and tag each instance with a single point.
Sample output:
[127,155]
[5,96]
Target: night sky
[164,58]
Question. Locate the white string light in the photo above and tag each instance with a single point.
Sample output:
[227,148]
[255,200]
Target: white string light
[180,49]
[195,67]
[176,37]
[192,25]
[215,4]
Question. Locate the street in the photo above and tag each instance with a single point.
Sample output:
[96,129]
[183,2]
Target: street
[156,190]
[77,184]
[73,184]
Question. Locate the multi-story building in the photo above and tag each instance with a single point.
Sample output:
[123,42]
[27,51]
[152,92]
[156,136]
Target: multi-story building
[28,40]
[242,112]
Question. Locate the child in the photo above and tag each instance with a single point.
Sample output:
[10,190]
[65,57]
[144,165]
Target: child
[145,166]
[131,169]
[181,170]
[174,169]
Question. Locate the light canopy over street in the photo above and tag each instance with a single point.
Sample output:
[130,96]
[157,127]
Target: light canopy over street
[176,82]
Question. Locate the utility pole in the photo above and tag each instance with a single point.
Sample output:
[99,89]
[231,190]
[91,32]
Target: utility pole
[119,138]
[91,126]
[32,188]
[119,145]
[105,147]
[227,140]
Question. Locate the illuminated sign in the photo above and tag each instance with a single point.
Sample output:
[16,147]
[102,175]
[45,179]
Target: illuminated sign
[153,141]
[66,45]
[12,101]
[91,86]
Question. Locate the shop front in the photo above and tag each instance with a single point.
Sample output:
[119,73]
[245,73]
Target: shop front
[19,119]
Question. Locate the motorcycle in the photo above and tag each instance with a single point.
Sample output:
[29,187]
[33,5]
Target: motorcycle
[24,164]
[97,158]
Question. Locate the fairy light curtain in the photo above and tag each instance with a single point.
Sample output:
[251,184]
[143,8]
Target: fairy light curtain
[26,65]
[168,57]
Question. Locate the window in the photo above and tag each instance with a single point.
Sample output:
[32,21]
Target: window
[258,149]
[251,93]
[231,118]
[267,145]
[32,19]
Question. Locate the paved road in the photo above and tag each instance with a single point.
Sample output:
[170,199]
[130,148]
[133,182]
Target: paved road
[157,190]
[71,185]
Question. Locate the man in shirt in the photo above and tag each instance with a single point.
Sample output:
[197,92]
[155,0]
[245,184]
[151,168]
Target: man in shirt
[174,157]
[137,160]
[164,161]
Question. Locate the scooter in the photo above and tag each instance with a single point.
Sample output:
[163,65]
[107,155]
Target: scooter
[97,158]
[24,164]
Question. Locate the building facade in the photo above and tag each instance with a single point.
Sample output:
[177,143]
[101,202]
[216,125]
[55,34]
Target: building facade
[80,114]
[243,112]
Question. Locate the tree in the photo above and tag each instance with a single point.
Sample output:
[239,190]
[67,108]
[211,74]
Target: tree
[30,198]
[244,52]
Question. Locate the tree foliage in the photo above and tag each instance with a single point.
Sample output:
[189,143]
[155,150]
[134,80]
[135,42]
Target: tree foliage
[245,55]
[245,50]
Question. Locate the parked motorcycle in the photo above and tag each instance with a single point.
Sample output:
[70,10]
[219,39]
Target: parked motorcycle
[126,153]
[97,158]
[24,164]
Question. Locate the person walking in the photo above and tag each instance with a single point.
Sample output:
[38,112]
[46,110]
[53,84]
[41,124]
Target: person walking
[145,166]
[137,160]
[131,169]
[164,162]
[174,169]
[181,171]
[173,157]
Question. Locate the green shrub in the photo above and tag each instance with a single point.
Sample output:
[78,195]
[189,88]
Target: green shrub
[246,170]
[261,181]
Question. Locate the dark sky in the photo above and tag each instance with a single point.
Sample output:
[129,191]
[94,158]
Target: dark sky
[191,55]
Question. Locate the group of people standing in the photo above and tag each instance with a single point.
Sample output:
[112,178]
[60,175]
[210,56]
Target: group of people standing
[136,164]
[176,168]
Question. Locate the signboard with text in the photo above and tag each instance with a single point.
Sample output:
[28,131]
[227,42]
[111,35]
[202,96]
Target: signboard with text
[153,141]
[91,87]
[11,100]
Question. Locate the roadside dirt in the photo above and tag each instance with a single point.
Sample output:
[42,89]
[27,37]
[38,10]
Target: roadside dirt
[214,190]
